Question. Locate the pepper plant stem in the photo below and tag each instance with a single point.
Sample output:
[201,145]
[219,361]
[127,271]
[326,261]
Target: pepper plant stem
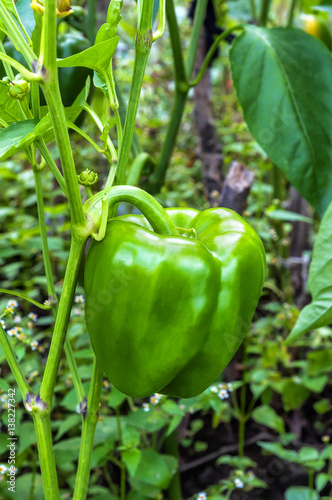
[182,73]
[142,51]
[90,420]
[264,12]
[53,361]
[51,90]
[50,282]
[42,425]
[290,14]
[195,35]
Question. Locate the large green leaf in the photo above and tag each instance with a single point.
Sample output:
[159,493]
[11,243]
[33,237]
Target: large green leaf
[319,312]
[283,80]
[96,57]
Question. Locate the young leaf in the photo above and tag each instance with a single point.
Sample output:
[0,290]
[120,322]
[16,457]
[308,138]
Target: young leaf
[96,57]
[283,80]
[319,312]
[16,137]
[267,416]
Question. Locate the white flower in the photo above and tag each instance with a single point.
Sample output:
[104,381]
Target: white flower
[79,299]
[33,316]
[201,496]
[3,468]
[155,398]
[229,387]
[223,394]
[11,332]
[238,483]
[3,324]
[12,303]
[146,407]
[34,344]
[3,398]
[214,389]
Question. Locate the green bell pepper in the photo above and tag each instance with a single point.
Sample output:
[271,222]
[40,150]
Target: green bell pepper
[167,313]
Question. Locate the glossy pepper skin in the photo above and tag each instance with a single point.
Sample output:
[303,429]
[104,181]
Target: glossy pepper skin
[167,313]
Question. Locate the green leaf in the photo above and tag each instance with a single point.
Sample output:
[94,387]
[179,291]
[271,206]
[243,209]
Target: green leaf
[131,459]
[293,395]
[27,436]
[67,424]
[326,453]
[266,415]
[287,216]
[26,15]
[283,80]
[321,481]
[315,384]
[300,493]
[324,6]
[16,137]
[319,312]
[322,406]
[155,469]
[307,453]
[97,57]
[319,361]
[279,451]
[116,397]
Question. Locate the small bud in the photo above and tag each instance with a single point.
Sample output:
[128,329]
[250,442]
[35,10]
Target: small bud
[18,88]
[87,178]
[63,8]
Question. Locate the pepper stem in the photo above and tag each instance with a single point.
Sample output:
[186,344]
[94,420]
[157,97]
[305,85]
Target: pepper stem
[150,208]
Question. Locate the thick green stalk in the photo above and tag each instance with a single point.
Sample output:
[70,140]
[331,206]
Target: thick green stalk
[182,73]
[142,51]
[52,95]
[264,12]
[291,13]
[195,35]
[135,146]
[46,455]
[157,180]
[50,282]
[60,328]
[90,419]
[171,448]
